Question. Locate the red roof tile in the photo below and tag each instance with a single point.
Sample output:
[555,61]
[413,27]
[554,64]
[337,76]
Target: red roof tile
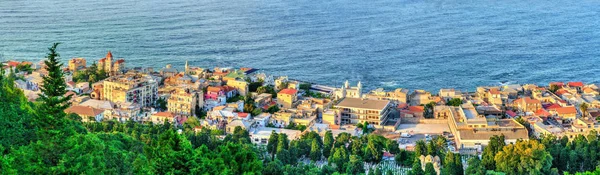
[542,112]
[416,108]
[511,113]
[552,106]
[120,61]
[402,106]
[576,84]
[289,91]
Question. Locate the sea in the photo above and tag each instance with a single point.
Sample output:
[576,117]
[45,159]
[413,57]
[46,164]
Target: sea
[413,44]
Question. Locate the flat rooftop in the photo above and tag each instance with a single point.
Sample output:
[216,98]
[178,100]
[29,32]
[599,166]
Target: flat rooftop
[363,103]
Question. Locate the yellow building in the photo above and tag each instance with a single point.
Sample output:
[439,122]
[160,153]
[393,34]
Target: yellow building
[113,68]
[161,117]
[184,101]
[240,85]
[287,97]
[131,88]
[77,64]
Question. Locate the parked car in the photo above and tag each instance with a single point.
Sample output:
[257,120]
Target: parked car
[405,135]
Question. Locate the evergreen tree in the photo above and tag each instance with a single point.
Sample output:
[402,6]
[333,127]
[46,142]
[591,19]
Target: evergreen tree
[51,111]
[272,144]
[327,143]
[475,167]
[494,146]
[429,170]
[416,168]
[315,151]
[355,165]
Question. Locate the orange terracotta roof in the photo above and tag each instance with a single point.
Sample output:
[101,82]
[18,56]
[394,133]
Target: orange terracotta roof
[402,106]
[560,92]
[165,114]
[12,63]
[416,108]
[542,112]
[242,114]
[288,91]
[566,110]
[588,90]
[84,110]
[102,60]
[109,55]
[120,61]
[527,100]
[214,89]
[576,84]
[494,91]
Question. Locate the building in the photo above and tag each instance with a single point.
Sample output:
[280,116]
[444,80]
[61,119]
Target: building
[287,97]
[357,110]
[490,95]
[420,97]
[399,95]
[230,128]
[449,94]
[347,91]
[111,66]
[332,117]
[473,131]
[527,104]
[240,85]
[161,117]
[131,88]
[87,114]
[261,135]
[77,64]
[184,101]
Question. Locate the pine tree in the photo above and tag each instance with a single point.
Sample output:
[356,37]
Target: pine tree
[327,143]
[315,151]
[429,170]
[53,89]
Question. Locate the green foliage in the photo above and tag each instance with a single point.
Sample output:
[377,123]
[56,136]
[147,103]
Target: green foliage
[267,89]
[475,167]
[524,157]
[253,87]
[315,151]
[92,74]
[51,111]
[453,164]
[273,109]
[454,102]
[295,127]
[355,165]
[416,168]
[429,170]
[161,104]
[489,152]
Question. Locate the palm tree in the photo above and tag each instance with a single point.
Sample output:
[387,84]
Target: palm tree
[583,108]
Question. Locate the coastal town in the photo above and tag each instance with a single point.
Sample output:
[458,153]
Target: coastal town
[224,98]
